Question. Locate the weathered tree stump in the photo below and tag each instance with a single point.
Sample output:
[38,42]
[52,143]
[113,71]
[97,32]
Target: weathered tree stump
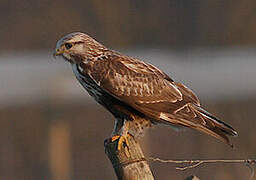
[129,162]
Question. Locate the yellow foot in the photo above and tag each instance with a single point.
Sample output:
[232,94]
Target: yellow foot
[122,141]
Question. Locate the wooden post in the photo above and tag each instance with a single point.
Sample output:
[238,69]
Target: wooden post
[129,162]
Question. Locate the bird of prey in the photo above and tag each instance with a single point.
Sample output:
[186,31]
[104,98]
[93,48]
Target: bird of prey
[137,93]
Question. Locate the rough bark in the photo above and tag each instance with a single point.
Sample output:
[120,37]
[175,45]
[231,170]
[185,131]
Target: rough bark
[129,162]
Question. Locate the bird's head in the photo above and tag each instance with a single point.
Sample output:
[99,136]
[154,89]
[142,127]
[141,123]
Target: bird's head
[77,47]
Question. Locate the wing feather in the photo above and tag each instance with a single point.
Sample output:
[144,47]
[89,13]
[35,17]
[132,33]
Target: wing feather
[135,83]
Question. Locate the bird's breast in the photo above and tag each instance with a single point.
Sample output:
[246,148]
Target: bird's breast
[88,83]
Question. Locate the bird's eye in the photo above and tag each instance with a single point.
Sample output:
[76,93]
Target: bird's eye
[68,45]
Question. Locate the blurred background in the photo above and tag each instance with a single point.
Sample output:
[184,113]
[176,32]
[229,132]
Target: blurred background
[51,129]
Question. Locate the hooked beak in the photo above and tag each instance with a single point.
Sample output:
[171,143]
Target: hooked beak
[57,52]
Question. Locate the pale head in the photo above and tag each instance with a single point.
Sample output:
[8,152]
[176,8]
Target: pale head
[76,47]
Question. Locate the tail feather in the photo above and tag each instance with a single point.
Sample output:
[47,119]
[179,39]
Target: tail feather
[218,123]
[202,121]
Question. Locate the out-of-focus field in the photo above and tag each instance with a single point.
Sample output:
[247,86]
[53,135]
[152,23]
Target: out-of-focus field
[51,129]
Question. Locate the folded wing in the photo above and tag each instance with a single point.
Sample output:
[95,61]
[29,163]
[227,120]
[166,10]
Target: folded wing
[152,92]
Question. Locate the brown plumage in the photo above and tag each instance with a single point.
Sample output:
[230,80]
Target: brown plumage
[136,93]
